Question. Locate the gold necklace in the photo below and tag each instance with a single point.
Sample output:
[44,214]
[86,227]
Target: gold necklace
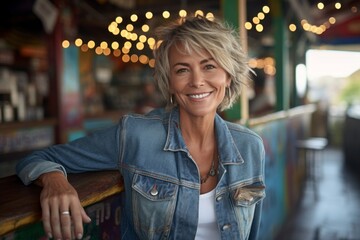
[212,172]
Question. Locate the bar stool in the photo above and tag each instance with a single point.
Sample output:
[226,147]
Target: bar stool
[313,150]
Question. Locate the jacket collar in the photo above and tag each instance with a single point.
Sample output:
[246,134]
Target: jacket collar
[228,151]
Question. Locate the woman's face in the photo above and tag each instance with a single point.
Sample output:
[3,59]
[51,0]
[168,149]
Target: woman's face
[197,81]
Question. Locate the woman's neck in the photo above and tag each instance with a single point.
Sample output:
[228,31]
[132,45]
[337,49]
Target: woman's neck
[198,130]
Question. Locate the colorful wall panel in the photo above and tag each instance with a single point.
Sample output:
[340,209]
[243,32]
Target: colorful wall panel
[284,171]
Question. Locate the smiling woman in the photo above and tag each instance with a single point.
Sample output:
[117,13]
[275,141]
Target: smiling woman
[183,167]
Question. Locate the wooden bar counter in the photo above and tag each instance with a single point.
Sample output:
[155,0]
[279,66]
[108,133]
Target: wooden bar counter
[20,204]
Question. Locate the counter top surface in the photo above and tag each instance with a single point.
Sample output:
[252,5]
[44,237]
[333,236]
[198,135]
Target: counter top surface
[20,204]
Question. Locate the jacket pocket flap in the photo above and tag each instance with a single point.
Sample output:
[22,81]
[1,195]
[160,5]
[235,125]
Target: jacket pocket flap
[248,195]
[154,189]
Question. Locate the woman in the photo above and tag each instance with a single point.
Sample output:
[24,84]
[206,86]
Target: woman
[187,173]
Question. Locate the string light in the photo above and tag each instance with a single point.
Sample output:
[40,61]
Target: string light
[248,25]
[145,28]
[166,14]
[119,20]
[320,5]
[117,53]
[133,17]
[78,42]
[128,32]
[199,13]
[65,44]
[210,16]
[91,44]
[266,9]
[115,45]
[182,13]
[149,15]
[292,27]
[338,5]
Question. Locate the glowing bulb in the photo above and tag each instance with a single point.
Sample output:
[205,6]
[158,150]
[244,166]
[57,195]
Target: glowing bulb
[261,16]
[248,25]
[134,37]
[199,13]
[152,62]
[125,58]
[103,45]
[140,46]
[256,20]
[127,45]
[134,58]
[259,27]
[210,16]
[65,44]
[84,48]
[117,53]
[332,20]
[149,15]
[98,50]
[145,28]
[107,51]
[266,9]
[115,45]
[292,27]
[91,44]
[166,14]
[182,13]
[129,27]
[134,17]
[320,5]
[78,42]
[142,38]
[119,19]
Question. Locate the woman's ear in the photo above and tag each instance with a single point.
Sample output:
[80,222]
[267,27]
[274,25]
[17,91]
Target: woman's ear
[228,82]
[171,90]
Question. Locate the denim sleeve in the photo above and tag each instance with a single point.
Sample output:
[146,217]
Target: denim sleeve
[96,152]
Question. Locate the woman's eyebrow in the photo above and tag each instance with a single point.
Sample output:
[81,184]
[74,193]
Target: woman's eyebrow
[206,60]
[187,64]
[181,64]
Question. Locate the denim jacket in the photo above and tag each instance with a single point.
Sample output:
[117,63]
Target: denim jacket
[161,180]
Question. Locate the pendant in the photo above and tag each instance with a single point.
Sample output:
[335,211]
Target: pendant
[212,172]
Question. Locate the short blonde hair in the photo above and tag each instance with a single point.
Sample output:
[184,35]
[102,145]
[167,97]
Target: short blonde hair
[197,34]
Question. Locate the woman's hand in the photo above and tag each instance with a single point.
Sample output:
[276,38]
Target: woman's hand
[61,208]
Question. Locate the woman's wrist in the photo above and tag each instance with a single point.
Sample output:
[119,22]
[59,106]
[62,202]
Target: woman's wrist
[49,176]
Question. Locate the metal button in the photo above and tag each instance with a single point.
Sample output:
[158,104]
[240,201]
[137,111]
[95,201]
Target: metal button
[154,191]
[226,227]
[219,198]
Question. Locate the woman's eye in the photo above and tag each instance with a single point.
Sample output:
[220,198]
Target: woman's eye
[181,70]
[209,66]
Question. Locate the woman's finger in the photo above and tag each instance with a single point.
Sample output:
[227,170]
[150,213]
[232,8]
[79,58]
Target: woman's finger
[79,217]
[65,220]
[55,220]
[46,218]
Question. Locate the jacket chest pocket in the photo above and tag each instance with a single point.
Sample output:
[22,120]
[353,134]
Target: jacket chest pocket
[244,200]
[153,203]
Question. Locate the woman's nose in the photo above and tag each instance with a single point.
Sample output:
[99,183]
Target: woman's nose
[197,79]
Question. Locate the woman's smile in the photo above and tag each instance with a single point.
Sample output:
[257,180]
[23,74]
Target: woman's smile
[199,96]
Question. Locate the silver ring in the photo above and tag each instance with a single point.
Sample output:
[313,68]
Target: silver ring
[65,213]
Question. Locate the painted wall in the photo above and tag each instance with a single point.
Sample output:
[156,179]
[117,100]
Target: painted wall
[284,170]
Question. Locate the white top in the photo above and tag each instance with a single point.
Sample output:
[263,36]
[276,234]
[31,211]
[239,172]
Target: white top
[207,225]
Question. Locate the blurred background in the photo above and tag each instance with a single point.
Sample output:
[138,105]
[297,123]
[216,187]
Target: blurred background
[68,68]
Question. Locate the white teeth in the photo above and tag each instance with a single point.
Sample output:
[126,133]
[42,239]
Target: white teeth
[198,96]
